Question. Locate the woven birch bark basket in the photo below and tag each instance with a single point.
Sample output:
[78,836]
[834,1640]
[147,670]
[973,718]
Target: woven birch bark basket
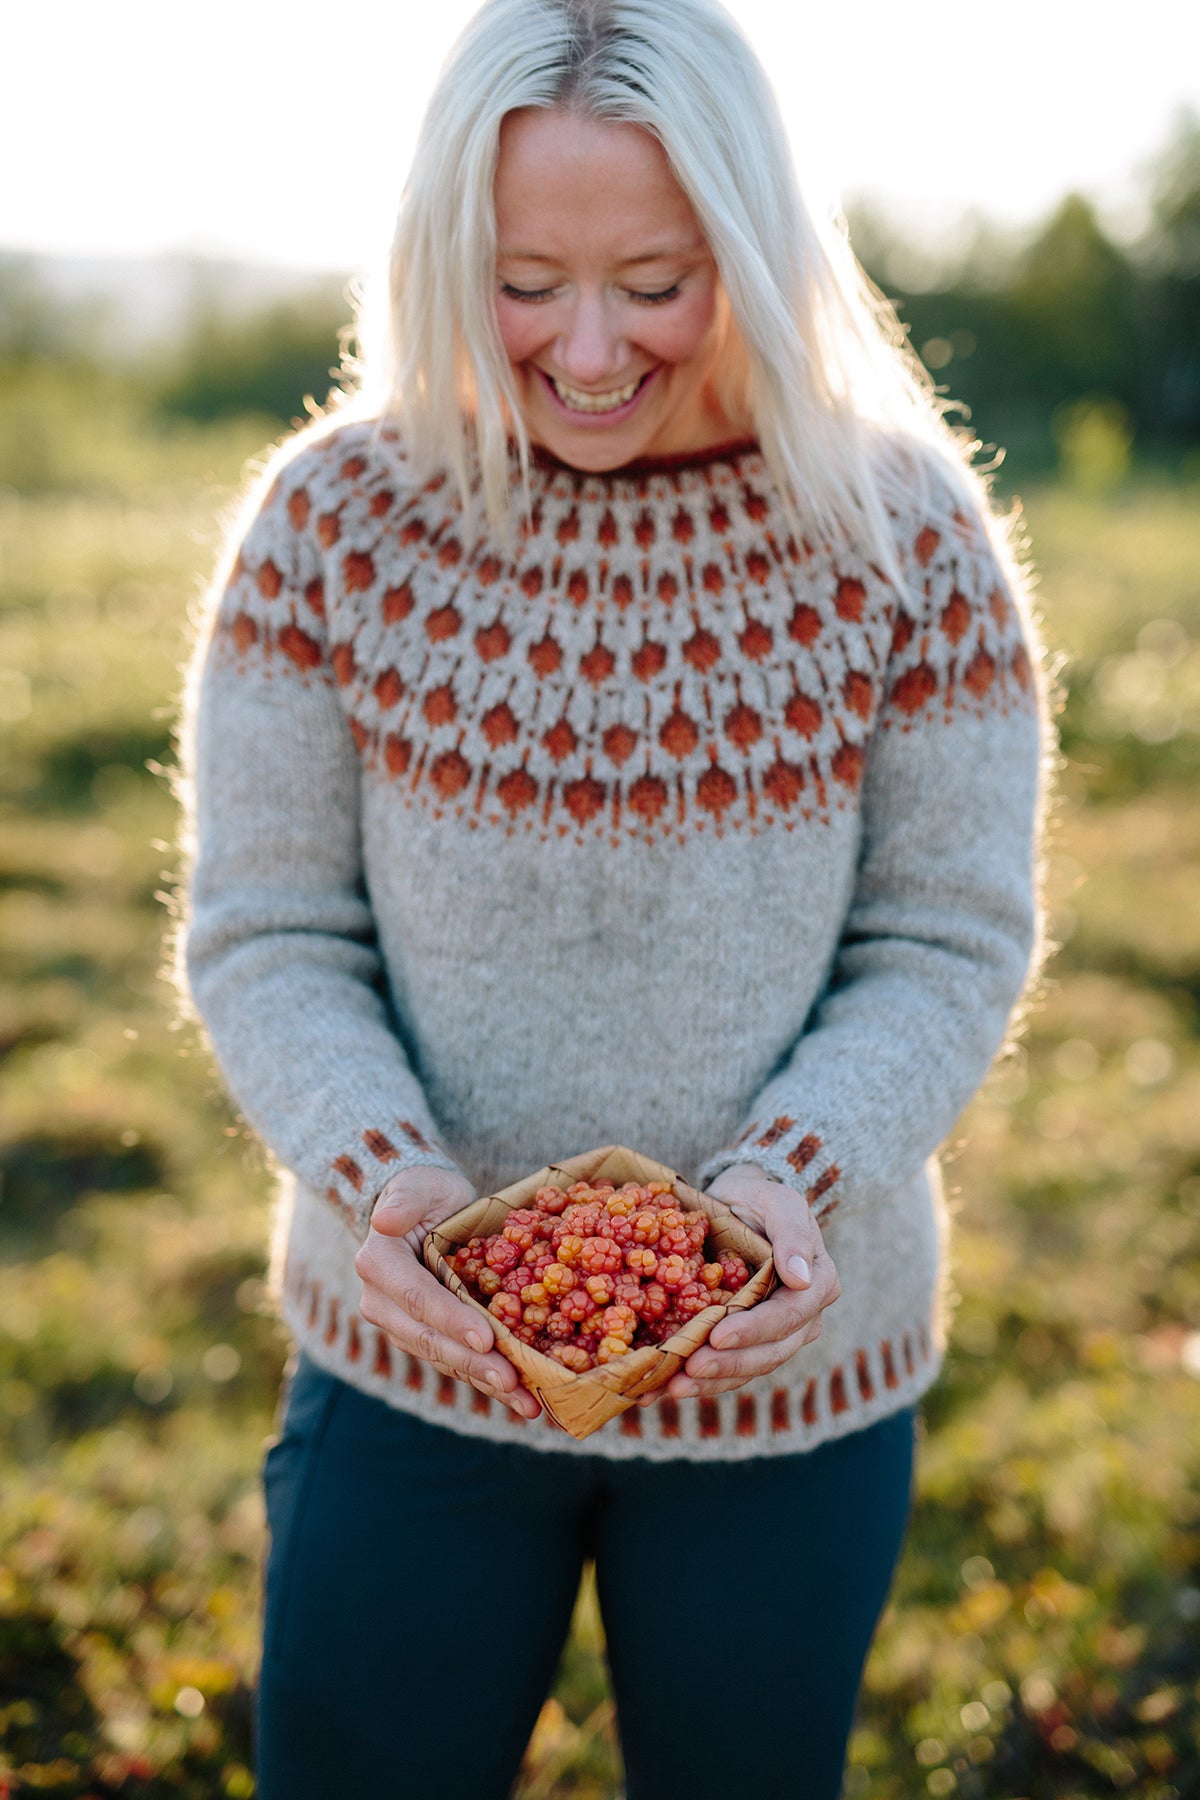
[581,1404]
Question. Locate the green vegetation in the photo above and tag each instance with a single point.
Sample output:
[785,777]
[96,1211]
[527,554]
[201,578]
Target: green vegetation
[1042,1637]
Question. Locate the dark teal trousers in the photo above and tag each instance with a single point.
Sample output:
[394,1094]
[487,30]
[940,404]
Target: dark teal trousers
[420,1586]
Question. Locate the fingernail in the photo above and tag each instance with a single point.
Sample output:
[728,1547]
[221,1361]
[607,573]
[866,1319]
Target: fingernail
[477,1340]
[728,1343]
[686,1389]
[703,1365]
[798,1266]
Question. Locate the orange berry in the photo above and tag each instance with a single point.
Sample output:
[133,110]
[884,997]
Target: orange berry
[609,1348]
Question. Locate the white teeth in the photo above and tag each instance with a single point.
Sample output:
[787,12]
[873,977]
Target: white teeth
[595,403]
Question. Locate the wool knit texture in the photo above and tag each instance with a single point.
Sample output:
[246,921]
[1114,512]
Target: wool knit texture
[658,825]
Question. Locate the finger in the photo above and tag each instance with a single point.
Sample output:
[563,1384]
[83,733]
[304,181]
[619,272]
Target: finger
[419,1339]
[785,1312]
[393,1269]
[719,1374]
[416,1198]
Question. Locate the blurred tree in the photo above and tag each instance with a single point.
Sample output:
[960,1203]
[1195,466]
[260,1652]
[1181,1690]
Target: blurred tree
[1170,250]
[266,362]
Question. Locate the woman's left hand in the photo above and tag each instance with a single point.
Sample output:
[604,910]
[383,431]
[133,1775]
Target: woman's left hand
[750,1343]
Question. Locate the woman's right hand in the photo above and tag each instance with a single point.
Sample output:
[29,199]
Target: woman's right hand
[411,1306]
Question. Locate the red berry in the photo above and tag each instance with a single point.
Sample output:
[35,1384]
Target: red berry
[559,1328]
[627,1291]
[692,1298]
[516,1279]
[645,1228]
[734,1272]
[642,1261]
[577,1305]
[672,1271]
[654,1301]
[502,1254]
[620,1321]
[600,1256]
[550,1199]
[506,1308]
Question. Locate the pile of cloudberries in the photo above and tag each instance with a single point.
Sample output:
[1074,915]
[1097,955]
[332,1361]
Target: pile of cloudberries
[587,1274]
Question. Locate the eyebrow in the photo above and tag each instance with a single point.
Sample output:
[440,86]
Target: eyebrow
[661,253]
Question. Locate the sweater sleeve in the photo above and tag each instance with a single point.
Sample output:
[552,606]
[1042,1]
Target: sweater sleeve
[280,944]
[942,926]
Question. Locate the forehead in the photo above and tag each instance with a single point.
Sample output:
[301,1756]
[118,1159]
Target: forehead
[561,179]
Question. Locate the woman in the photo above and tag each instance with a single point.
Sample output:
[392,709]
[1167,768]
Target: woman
[618,725]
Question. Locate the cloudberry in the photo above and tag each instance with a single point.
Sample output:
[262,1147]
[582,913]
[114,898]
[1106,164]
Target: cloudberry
[506,1308]
[627,1291]
[734,1271]
[601,1288]
[600,1256]
[620,1321]
[534,1294]
[559,1279]
[692,1298]
[645,1228]
[672,1271]
[559,1327]
[570,1249]
[502,1254]
[577,1305]
[643,1262]
[489,1282]
[655,1300]
[710,1274]
[697,1230]
[550,1199]
[516,1279]
[609,1348]
[571,1356]
[536,1316]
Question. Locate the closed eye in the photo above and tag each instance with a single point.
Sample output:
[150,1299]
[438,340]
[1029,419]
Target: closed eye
[535,296]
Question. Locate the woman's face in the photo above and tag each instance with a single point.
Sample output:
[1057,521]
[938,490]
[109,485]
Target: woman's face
[607,293]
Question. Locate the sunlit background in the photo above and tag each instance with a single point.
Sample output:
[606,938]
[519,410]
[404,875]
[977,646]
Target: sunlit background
[186,194]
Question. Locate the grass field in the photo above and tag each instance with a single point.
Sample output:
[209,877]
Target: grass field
[1042,1637]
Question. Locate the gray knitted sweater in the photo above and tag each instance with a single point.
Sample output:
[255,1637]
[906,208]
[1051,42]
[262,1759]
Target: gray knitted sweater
[659,828]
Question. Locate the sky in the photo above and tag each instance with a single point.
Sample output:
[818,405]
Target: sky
[279,131]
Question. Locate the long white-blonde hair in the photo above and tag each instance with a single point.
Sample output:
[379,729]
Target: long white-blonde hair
[814,359]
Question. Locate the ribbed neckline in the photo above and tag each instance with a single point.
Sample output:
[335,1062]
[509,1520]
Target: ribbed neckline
[649,465]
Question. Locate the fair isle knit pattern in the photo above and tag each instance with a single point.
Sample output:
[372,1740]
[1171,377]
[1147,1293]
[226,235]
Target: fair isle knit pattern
[659,825]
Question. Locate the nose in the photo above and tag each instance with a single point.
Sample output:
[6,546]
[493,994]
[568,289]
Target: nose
[590,347]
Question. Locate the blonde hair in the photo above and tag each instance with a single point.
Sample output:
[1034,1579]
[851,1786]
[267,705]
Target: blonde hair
[814,360]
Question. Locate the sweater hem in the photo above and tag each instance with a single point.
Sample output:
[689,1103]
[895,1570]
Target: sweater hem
[762,1419]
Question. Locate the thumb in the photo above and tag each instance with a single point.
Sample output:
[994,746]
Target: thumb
[419,1196]
[792,1248]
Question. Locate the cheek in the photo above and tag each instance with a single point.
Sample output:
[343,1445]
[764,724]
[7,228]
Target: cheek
[521,331]
[684,333]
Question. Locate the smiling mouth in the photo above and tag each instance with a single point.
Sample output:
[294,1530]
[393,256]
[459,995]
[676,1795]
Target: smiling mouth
[579,401]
